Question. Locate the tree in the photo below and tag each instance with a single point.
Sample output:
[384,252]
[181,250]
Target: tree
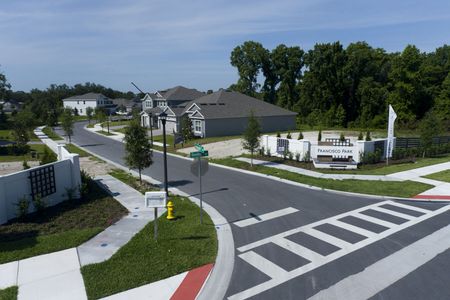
[138,152]
[23,122]
[186,128]
[67,121]
[300,136]
[247,58]
[4,86]
[360,136]
[442,106]
[368,138]
[89,113]
[319,136]
[251,136]
[429,127]
[100,116]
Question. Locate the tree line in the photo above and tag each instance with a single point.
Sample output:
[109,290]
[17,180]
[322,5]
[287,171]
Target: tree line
[334,86]
[46,105]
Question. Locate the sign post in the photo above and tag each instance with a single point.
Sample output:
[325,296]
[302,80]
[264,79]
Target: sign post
[196,169]
[155,200]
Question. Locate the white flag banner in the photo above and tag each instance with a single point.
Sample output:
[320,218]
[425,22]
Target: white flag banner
[390,139]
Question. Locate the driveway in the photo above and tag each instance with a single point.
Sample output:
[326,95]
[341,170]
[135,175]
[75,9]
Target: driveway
[221,149]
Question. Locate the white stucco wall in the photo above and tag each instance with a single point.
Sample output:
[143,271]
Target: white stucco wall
[81,105]
[17,185]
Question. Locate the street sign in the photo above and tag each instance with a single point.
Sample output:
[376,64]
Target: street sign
[199,164]
[155,199]
[197,154]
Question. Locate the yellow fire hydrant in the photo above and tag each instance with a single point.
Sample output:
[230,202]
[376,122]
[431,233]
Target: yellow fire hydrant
[170,211]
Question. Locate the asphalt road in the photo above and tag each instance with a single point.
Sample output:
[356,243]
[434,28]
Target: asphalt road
[276,267]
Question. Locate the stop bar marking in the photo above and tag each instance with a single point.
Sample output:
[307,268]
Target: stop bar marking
[265,217]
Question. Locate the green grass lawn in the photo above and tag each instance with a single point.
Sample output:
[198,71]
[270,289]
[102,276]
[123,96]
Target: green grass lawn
[182,245]
[6,134]
[9,293]
[90,125]
[74,149]
[105,132]
[132,181]
[39,148]
[395,189]
[51,134]
[118,123]
[376,169]
[65,225]
[442,176]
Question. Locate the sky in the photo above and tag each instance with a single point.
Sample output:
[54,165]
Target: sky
[161,44]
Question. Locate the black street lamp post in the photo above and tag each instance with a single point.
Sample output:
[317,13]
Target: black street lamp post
[163,118]
[151,127]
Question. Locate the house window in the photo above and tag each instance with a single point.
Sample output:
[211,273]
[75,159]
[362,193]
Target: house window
[197,126]
[84,102]
[81,111]
[78,102]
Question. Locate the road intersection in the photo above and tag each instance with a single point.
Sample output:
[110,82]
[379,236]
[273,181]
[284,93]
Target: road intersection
[295,243]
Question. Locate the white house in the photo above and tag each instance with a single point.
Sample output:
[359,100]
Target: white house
[94,100]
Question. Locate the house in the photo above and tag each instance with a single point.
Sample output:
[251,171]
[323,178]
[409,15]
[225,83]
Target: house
[172,101]
[226,113]
[126,106]
[94,100]
[11,105]
[222,113]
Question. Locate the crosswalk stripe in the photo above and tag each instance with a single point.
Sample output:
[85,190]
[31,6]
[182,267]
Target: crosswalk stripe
[298,249]
[353,228]
[410,207]
[394,213]
[265,217]
[327,238]
[264,265]
[375,220]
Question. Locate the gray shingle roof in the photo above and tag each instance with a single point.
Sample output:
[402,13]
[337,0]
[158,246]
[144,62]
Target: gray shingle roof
[230,104]
[88,96]
[181,93]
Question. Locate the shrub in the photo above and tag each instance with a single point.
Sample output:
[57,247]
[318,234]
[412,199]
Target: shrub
[300,136]
[278,134]
[288,136]
[22,207]
[368,138]
[268,152]
[70,193]
[25,165]
[297,156]
[342,137]
[86,180]
[285,154]
[319,136]
[47,157]
[360,136]
[290,155]
[261,151]
[371,157]
[307,156]
[39,203]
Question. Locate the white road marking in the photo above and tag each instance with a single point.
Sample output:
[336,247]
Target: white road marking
[410,207]
[353,228]
[375,220]
[286,276]
[394,213]
[298,249]
[266,217]
[381,274]
[327,238]
[264,265]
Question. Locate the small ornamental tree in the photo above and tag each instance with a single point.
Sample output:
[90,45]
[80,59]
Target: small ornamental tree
[186,128]
[300,136]
[138,152]
[251,136]
[429,126]
[288,136]
[67,123]
[23,123]
[319,136]
[89,113]
[342,137]
[368,138]
[100,116]
[278,134]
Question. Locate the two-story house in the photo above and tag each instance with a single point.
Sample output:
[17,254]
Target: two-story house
[94,100]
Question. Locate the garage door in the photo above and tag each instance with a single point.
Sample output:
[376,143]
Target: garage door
[170,126]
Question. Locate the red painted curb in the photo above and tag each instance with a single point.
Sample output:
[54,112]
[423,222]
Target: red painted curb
[432,197]
[192,283]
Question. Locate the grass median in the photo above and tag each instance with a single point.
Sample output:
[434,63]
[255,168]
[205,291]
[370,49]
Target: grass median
[442,176]
[183,244]
[404,189]
[48,131]
[9,293]
[63,226]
